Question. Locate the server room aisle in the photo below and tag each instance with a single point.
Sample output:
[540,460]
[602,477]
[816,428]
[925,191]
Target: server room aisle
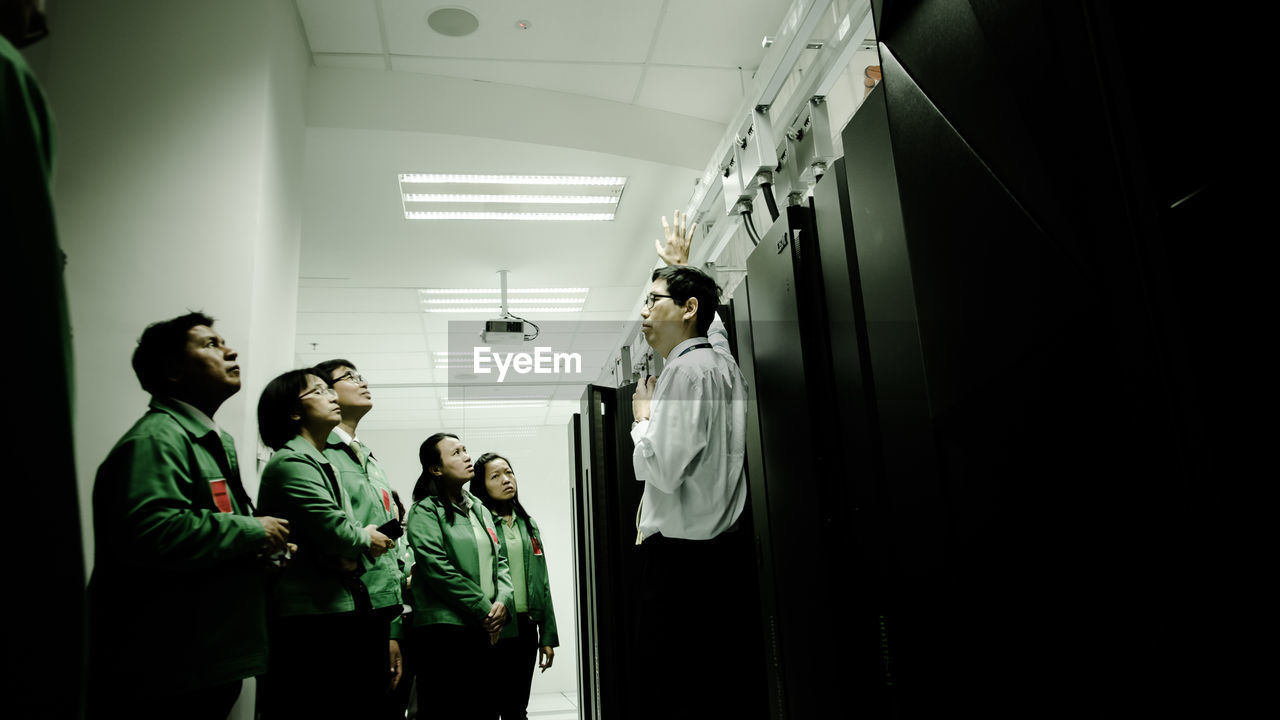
[553,706]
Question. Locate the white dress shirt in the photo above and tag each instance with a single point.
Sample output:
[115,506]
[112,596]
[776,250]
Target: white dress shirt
[689,453]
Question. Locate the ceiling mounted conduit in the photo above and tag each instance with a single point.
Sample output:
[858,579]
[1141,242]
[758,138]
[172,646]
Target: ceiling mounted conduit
[736,170]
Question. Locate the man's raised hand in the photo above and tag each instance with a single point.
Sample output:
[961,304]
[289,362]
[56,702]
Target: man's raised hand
[678,239]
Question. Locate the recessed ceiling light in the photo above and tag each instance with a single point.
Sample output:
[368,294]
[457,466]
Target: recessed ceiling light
[453,21]
[445,196]
[511,290]
[459,215]
[447,178]
[521,300]
[529,199]
[514,302]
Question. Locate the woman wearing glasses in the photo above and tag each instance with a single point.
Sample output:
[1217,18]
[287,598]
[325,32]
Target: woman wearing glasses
[532,632]
[324,638]
[461,586]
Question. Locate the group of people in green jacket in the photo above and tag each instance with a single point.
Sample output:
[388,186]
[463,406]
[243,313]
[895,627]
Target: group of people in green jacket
[309,590]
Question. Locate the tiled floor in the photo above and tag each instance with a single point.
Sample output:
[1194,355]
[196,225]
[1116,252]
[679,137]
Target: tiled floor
[553,706]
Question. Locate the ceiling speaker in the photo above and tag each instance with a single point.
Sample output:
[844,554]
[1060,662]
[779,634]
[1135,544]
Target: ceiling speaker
[454,22]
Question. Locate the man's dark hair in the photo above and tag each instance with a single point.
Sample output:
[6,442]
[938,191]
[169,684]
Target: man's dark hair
[324,370]
[684,282]
[161,350]
[277,406]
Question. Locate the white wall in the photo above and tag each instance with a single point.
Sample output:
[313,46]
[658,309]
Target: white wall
[543,477]
[180,138]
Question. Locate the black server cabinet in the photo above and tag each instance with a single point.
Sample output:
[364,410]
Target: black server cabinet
[607,496]
[810,467]
[1038,505]
[586,652]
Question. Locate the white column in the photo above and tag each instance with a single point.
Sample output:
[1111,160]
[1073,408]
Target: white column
[180,135]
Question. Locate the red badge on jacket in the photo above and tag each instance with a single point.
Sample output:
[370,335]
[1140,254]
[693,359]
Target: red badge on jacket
[386,501]
[493,535]
[537,547]
[220,497]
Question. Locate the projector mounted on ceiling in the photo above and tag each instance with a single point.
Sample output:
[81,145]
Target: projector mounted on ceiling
[503,331]
[508,329]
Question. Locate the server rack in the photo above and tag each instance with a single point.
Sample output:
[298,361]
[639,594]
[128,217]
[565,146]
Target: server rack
[587,702]
[607,573]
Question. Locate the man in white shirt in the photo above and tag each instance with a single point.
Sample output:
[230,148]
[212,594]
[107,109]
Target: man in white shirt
[690,440]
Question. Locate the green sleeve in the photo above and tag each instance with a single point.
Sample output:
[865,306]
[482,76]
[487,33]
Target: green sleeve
[298,489]
[548,630]
[549,635]
[433,566]
[503,588]
[159,522]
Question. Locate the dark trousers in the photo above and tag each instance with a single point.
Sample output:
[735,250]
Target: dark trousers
[513,663]
[454,669]
[693,639]
[325,666]
[212,703]
[397,700]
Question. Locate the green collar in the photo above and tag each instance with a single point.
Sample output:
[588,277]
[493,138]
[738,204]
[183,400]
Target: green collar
[300,445]
[191,425]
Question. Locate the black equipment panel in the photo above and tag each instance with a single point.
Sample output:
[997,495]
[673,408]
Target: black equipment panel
[607,565]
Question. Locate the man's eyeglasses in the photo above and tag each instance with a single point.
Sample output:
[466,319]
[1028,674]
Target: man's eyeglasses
[321,390]
[652,298]
[351,375]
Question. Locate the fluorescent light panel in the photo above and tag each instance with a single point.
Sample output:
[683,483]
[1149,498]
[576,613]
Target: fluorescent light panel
[510,291]
[520,300]
[499,215]
[494,309]
[452,179]
[547,198]
[510,301]
[523,199]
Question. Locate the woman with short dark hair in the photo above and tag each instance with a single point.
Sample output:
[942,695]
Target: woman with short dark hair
[534,630]
[461,585]
[328,649]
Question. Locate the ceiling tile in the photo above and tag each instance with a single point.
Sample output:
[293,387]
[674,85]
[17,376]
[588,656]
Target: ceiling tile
[357,323]
[351,61]
[683,37]
[341,26]
[707,93]
[575,30]
[611,82]
[364,299]
[373,365]
[342,345]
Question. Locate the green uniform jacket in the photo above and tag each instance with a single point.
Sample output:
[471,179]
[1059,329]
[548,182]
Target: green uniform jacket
[446,572]
[300,486]
[537,586]
[178,595]
[371,504]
